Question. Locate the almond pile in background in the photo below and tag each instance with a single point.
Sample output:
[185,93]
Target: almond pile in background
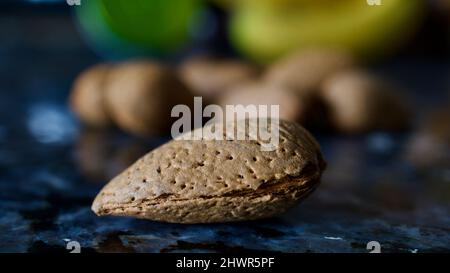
[319,87]
[136,96]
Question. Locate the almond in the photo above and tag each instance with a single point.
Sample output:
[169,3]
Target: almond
[204,181]
[140,96]
[87,96]
[209,77]
[292,106]
[305,71]
[359,102]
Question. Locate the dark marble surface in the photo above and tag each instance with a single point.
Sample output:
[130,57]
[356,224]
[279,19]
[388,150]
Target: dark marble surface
[51,169]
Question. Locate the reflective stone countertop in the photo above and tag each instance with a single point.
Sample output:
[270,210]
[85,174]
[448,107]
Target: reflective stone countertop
[50,171]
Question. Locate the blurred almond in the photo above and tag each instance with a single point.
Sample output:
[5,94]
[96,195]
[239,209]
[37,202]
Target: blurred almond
[292,106]
[141,95]
[209,77]
[305,71]
[87,96]
[360,102]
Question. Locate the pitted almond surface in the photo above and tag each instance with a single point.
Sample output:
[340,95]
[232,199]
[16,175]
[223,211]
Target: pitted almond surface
[217,181]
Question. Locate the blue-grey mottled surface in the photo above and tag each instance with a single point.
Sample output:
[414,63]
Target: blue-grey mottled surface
[51,169]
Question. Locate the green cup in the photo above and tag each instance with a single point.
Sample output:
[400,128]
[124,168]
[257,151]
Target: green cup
[124,28]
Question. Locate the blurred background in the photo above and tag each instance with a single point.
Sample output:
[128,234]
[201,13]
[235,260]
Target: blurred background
[388,176]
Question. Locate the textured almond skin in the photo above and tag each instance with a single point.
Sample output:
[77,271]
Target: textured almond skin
[203,181]
[140,96]
[87,96]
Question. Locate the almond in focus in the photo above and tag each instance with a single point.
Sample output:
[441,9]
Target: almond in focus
[205,181]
